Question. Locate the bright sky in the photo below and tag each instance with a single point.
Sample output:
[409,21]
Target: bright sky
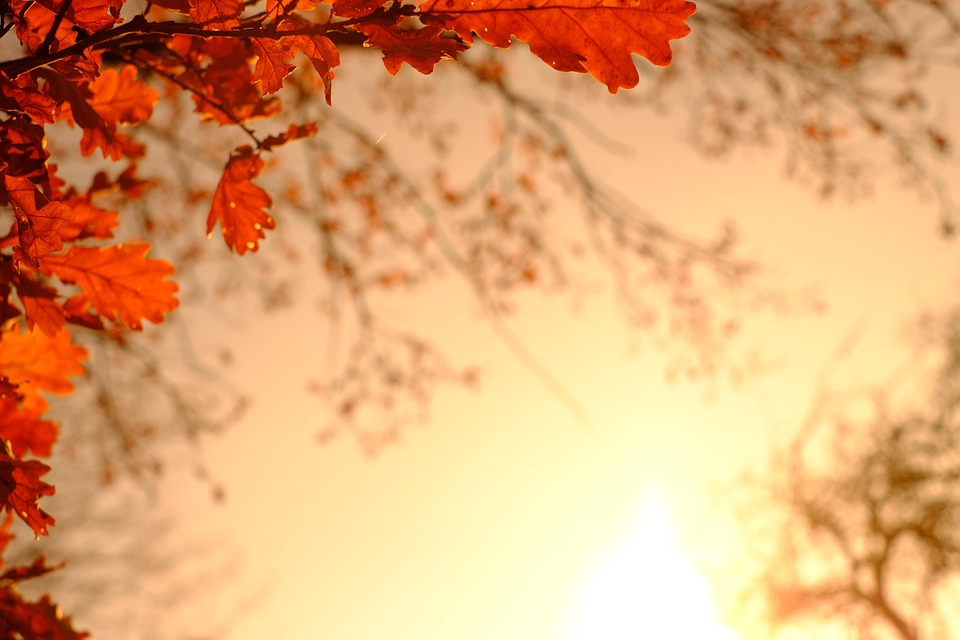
[503,518]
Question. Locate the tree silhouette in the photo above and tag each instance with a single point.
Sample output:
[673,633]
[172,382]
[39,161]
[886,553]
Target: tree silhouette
[140,84]
[865,507]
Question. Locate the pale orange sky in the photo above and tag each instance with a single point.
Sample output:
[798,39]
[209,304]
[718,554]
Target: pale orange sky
[484,523]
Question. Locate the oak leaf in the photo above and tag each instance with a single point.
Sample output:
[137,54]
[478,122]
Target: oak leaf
[42,619]
[239,205]
[356,8]
[34,362]
[38,219]
[22,97]
[24,429]
[35,21]
[40,306]
[21,489]
[595,36]
[119,282]
[99,107]
[122,98]
[274,55]
[216,14]
[420,48]
[90,15]
[88,221]
[293,132]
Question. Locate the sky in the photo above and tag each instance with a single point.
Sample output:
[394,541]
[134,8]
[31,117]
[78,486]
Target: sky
[499,517]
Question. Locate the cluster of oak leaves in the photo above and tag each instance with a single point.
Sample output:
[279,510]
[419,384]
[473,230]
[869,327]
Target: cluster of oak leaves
[83,62]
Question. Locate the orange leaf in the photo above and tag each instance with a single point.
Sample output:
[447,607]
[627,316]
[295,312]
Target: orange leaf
[37,362]
[88,221]
[238,204]
[420,48]
[120,282]
[38,219]
[25,430]
[272,66]
[595,36]
[122,98]
[216,14]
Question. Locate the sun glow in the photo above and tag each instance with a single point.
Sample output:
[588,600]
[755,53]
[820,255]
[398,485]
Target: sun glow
[645,586]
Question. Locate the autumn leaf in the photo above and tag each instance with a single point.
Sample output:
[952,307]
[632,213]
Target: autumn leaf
[274,55]
[272,64]
[238,204]
[355,8]
[38,568]
[40,306]
[42,619]
[420,48]
[23,98]
[293,132]
[99,107]
[119,282]
[595,36]
[38,219]
[90,15]
[24,429]
[37,362]
[88,221]
[35,23]
[216,14]
[21,489]
[279,8]
[122,98]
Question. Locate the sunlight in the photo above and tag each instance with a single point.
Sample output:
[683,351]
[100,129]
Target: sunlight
[645,586]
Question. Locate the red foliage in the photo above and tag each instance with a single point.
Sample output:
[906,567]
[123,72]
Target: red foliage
[87,64]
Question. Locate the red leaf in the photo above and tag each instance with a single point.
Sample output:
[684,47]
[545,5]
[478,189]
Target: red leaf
[21,489]
[25,430]
[279,8]
[293,132]
[216,14]
[238,204]
[272,66]
[41,620]
[38,568]
[38,219]
[595,36]
[120,282]
[420,48]
[90,15]
[40,304]
[273,56]
[21,97]
[22,149]
[355,8]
